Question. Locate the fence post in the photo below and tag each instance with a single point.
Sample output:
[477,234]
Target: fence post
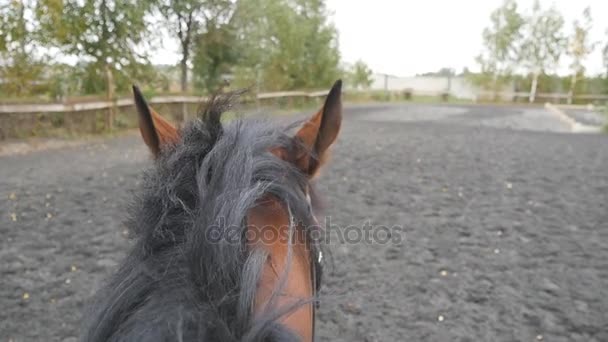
[111,114]
[387,95]
[184,111]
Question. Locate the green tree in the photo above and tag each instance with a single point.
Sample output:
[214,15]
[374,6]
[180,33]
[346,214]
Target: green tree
[214,57]
[543,44]
[360,75]
[285,44]
[605,54]
[580,46]
[500,42]
[105,34]
[21,69]
[192,22]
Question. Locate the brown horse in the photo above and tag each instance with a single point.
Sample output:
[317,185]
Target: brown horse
[223,248]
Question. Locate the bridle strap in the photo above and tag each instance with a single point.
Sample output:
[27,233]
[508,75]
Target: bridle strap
[314,259]
[314,293]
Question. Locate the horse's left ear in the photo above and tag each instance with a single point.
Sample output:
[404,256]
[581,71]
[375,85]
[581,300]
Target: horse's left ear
[155,130]
[319,132]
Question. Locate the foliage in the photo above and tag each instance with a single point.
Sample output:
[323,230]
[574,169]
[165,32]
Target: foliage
[270,44]
[63,81]
[544,40]
[214,57]
[14,32]
[552,83]
[543,43]
[285,44]
[605,112]
[20,70]
[534,43]
[22,76]
[579,48]
[443,72]
[486,79]
[580,45]
[605,54]
[359,76]
[105,34]
[198,25]
[500,42]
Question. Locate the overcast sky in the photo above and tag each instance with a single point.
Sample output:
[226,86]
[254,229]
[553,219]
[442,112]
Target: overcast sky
[407,37]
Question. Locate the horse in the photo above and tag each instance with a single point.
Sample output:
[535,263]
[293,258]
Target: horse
[223,231]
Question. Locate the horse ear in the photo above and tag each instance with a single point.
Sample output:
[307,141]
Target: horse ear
[155,130]
[319,132]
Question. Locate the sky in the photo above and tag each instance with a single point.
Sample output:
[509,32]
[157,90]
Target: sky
[409,37]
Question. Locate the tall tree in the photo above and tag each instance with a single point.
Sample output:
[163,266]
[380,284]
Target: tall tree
[543,44]
[286,44]
[580,46]
[360,75]
[105,33]
[20,65]
[214,57]
[605,54]
[188,20]
[500,41]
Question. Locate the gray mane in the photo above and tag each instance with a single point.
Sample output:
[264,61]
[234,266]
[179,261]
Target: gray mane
[177,283]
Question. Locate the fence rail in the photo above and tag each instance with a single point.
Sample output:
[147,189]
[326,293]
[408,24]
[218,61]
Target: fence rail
[124,102]
[86,106]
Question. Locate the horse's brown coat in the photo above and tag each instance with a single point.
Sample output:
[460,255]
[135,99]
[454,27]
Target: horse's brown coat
[270,215]
[270,220]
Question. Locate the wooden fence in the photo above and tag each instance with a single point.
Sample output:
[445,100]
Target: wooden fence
[98,105]
[22,120]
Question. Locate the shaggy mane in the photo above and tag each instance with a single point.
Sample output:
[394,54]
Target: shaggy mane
[177,282]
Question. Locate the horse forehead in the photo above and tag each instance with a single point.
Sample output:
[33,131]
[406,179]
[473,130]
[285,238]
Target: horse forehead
[269,227]
[268,211]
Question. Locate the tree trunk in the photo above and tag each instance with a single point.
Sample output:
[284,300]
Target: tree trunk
[495,87]
[184,78]
[449,86]
[184,85]
[386,87]
[572,86]
[111,114]
[534,87]
[184,109]
[258,86]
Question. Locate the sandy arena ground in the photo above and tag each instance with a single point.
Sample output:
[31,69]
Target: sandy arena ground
[502,217]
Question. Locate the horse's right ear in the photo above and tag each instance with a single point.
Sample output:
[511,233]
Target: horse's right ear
[318,133]
[155,130]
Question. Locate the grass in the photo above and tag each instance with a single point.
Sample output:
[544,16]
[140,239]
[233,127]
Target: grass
[606,115]
[435,99]
[398,97]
